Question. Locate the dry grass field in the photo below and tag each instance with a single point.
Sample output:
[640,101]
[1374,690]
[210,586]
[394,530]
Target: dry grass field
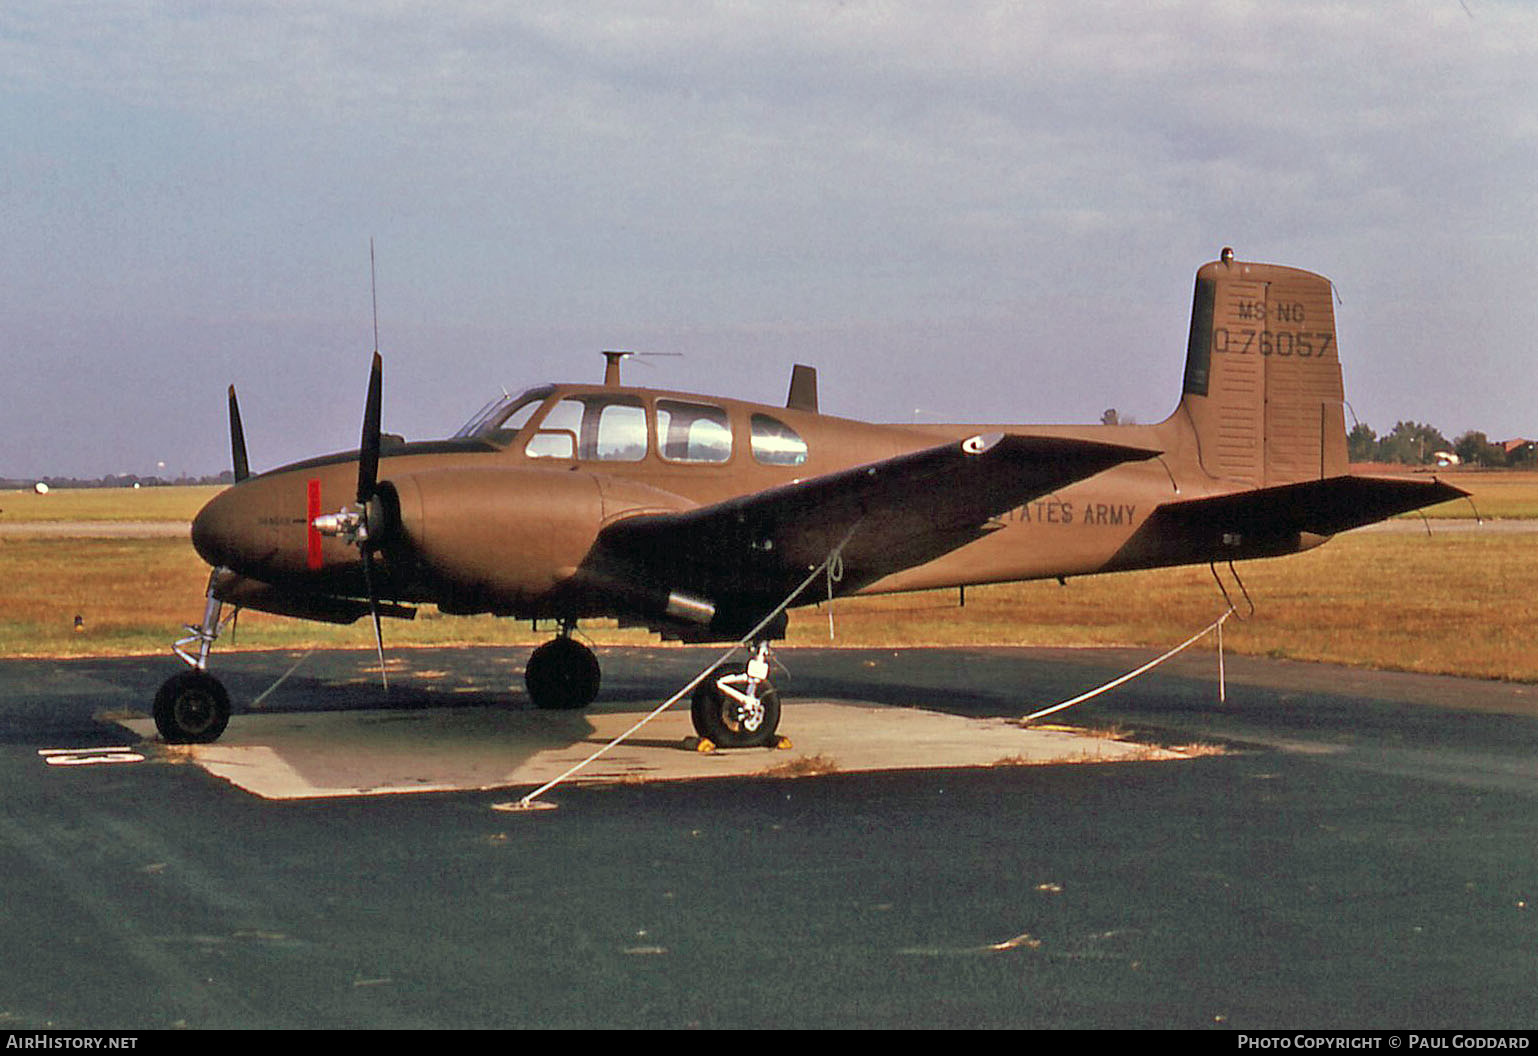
[105,504]
[1496,494]
[1455,601]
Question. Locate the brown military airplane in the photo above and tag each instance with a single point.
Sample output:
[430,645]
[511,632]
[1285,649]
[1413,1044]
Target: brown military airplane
[698,517]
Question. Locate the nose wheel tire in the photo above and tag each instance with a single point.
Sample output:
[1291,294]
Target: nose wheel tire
[727,722]
[191,708]
[562,674]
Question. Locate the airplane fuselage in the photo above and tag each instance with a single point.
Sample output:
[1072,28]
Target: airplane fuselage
[502,521]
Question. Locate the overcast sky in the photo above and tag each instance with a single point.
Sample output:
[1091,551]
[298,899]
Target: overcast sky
[959,211]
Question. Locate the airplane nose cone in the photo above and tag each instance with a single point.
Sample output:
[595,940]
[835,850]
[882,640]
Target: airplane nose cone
[217,530]
[260,527]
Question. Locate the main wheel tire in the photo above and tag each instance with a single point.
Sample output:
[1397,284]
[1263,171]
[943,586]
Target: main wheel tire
[726,723]
[191,708]
[562,674]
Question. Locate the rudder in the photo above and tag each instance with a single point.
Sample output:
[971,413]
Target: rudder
[1263,391]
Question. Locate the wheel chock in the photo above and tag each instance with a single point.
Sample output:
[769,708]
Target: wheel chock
[705,745]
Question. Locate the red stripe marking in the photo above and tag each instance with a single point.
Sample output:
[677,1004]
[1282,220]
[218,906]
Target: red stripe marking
[312,537]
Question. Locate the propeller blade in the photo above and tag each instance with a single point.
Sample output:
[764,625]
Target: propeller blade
[373,608]
[368,487]
[368,446]
[238,441]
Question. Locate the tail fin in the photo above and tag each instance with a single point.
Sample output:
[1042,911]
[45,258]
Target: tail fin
[1263,391]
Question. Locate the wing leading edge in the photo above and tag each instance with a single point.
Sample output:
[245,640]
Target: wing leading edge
[896,513]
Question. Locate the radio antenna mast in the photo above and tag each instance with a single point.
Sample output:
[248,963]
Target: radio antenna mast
[373,290]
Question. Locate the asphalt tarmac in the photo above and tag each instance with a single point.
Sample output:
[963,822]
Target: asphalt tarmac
[1350,850]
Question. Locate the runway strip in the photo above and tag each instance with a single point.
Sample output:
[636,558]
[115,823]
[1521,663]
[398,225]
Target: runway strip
[96,529]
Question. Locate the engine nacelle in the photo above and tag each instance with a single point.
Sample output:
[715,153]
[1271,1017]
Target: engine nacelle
[498,535]
[504,539]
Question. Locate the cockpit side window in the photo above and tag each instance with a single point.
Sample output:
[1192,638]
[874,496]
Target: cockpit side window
[775,443]
[693,432]
[503,432]
[499,421]
[603,428]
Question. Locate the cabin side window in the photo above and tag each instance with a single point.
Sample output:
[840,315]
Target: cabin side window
[693,432]
[775,443]
[621,433]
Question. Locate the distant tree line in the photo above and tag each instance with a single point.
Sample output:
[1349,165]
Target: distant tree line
[1418,444]
[1408,443]
[113,480]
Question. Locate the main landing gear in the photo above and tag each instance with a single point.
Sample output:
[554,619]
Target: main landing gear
[738,711]
[729,710]
[562,674]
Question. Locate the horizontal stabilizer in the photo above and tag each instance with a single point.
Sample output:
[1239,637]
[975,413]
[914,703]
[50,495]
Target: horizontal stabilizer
[1269,522]
[1319,507]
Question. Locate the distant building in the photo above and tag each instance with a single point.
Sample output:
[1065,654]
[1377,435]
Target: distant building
[1520,451]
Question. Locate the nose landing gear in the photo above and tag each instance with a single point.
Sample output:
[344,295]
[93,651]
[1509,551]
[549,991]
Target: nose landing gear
[193,707]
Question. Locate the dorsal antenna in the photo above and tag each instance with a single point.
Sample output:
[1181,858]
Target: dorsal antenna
[614,356]
[373,291]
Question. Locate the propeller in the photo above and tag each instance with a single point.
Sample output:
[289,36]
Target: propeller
[368,492]
[242,466]
[366,526]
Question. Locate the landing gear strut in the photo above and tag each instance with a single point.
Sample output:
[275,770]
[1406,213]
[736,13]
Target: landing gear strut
[562,674]
[192,707]
[739,711]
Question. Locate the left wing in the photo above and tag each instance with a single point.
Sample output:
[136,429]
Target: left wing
[901,512]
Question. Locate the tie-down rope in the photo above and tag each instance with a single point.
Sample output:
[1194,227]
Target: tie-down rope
[1215,625]
[835,555]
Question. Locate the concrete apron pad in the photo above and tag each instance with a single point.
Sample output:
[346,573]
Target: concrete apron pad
[362,753]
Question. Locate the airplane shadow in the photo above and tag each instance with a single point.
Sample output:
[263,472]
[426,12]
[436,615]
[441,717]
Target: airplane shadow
[47,702]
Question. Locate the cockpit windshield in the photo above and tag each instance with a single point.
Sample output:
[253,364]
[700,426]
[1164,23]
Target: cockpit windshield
[499,421]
